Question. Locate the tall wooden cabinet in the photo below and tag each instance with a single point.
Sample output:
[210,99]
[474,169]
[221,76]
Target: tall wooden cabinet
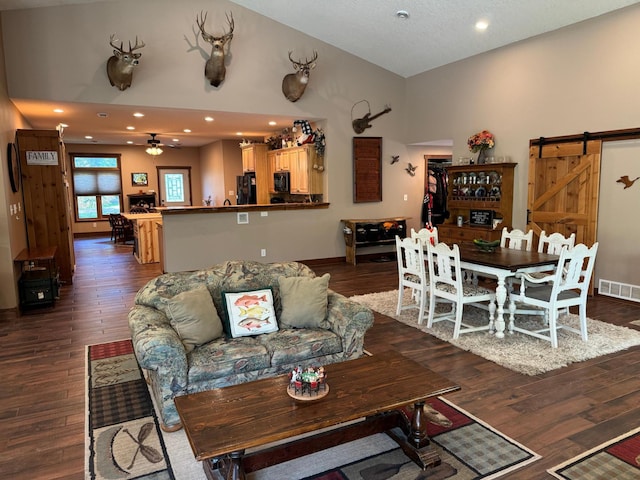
[305,167]
[46,192]
[478,194]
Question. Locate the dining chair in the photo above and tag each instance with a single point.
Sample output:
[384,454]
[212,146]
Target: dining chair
[113,224]
[567,287]
[412,273]
[426,235]
[516,239]
[446,284]
[123,229]
[553,244]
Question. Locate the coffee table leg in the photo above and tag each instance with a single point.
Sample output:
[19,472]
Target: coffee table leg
[226,468]
[417,445]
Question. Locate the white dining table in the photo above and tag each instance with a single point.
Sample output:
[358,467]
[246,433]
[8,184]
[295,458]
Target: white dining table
[501,264]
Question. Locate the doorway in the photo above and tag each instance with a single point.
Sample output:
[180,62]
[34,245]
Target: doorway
[175,186]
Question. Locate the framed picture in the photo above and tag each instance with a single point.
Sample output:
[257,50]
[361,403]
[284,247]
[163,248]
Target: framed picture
[139,179]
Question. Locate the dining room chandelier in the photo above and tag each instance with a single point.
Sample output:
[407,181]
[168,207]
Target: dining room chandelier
[154,146]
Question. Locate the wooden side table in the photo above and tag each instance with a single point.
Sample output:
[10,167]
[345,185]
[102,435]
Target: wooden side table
[367,232]
[38,284]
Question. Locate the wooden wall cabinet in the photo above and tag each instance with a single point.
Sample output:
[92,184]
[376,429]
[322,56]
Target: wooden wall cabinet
[478,187]
[47,196]
[367,169]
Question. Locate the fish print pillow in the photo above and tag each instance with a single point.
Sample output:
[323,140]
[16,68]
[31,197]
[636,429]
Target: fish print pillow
[249,313]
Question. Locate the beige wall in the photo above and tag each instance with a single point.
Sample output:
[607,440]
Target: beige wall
[576,79]
[13,236]
[134,159]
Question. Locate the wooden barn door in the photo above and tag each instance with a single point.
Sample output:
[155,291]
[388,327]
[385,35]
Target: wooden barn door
[563,188]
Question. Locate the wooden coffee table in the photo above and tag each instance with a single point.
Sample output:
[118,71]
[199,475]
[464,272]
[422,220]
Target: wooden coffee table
[222,423]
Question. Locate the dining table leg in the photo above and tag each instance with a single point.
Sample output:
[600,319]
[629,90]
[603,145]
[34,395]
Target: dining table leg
[501,297]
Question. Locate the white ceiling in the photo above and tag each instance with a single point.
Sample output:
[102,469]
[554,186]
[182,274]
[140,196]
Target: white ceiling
[436,33]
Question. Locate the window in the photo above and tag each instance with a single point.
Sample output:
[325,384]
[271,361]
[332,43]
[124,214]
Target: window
[97,185]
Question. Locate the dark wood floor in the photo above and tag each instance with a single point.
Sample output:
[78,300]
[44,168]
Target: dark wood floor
[42,404]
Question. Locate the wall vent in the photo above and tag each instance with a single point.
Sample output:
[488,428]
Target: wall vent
[619,290]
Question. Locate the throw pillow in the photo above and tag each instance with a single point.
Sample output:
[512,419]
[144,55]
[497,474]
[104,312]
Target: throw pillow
[193,316]
[304,301]
[249,313]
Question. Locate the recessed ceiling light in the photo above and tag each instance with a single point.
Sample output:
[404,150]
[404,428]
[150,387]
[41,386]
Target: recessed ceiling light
[102,114]
[138,114]
[175,139]
[131,127]
[130,142]
[403,14]
[209,119]
[58,110]
[88,137]
[187,130]
[482,25]
[238,133]
[272,123]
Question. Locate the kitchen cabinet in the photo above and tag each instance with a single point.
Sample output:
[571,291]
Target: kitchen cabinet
[254,159]
[477,193]
[305,165]
[145,234]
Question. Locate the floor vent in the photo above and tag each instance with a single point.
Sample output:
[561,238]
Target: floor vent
[619,290]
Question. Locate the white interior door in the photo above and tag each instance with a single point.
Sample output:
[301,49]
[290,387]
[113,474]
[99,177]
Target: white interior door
[175,186]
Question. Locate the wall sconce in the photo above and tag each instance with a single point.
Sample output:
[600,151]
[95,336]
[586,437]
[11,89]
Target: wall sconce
[154,146]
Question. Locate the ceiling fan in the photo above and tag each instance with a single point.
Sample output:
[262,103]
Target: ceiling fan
[154,146]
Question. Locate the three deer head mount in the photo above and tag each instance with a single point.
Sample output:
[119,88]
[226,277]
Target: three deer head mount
[215,69]
[120,65]
[294,84]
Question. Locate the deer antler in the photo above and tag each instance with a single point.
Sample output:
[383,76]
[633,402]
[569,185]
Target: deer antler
[113,39]
[136,46]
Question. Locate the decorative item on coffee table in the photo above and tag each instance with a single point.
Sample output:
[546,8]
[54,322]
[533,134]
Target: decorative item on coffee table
[308,384]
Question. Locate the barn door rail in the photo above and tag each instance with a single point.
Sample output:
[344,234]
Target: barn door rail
[585,137]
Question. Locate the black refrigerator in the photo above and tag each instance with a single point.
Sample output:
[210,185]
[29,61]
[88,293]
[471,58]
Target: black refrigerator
[246,189]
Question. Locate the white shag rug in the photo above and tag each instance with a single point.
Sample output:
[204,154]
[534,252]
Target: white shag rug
[519,352]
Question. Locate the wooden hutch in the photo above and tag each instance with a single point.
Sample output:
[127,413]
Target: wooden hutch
[479,194]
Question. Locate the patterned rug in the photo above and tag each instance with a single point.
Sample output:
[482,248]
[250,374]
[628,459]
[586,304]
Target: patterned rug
[617,459]
[124,440]
[521,353]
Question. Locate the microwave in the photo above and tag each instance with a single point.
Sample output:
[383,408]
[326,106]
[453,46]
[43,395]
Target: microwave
[281,181]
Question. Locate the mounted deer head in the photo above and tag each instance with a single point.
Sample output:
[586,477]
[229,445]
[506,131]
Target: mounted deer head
[293,84]
[215,69]
[120,64]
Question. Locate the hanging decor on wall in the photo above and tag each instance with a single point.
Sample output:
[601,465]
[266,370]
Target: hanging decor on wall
[294,84]
[120,65]
[215,69]
[395,159]
[361,124]
[411,170]
[626,181]
[14,167]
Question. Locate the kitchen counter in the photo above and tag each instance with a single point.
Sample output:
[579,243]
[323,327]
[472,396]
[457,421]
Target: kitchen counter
[240,208]
[145,236]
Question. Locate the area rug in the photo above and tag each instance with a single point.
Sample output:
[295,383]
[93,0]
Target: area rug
[124,440]
[617,459]
[518,352]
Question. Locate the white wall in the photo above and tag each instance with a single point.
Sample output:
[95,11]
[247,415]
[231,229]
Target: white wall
[618,218]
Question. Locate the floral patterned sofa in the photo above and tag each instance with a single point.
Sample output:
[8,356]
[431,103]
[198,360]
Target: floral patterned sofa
[175,367]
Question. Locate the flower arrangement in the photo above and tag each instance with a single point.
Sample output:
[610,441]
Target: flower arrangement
[481,141]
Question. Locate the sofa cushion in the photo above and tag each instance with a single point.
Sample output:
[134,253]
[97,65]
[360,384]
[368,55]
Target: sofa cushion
[290,346]
[249,313]
[193,316]
[304,302]
[225,357]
